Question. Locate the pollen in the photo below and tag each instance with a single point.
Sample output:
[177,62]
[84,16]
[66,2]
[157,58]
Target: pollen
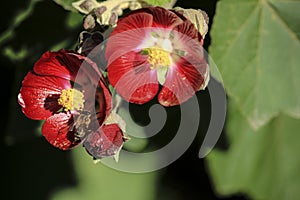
[71,99]
[158,57]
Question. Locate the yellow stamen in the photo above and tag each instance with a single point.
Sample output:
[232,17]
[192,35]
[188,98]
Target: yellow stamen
[158,57]
[71,99]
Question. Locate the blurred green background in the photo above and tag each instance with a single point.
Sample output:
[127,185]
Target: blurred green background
[255,44]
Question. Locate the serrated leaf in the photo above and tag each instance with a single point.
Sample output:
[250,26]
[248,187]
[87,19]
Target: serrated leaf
[256,45]
[263,164]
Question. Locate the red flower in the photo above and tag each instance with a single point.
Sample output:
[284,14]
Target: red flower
[62,90]
[154,46]
[104,142]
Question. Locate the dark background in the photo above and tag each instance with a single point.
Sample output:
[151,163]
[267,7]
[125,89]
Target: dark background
[33,168]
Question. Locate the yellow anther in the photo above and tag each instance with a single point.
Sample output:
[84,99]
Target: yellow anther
[158,57]
[71,99]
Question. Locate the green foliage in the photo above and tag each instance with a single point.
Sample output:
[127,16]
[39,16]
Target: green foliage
[260,163]
[16,21]
[15,56]
[66,4]
[157,2]
[256,44]
[26,36]
[96,181]
[74,19]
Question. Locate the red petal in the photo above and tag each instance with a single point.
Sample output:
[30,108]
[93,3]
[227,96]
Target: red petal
[188,43]
[128,35]
[134,21]
[188,29]
[95,90]
[87,71]
[164,18]
[38,95]
[194,56]
[99,106]
[181,83]
[132,77]
[105,142]
[91,81]
[57,131]
[105,103]
[63,64]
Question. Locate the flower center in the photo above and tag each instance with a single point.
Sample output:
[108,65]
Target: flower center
[71,99]
[158,57]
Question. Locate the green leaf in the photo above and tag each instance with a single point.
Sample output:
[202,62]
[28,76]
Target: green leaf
[66,4]
[97,181]
[74,19]
[263,164]
[15,56]
[157,2]
[256,45]
[16,21]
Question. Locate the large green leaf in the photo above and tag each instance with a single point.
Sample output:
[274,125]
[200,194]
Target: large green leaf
[256,45]
[263,164]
